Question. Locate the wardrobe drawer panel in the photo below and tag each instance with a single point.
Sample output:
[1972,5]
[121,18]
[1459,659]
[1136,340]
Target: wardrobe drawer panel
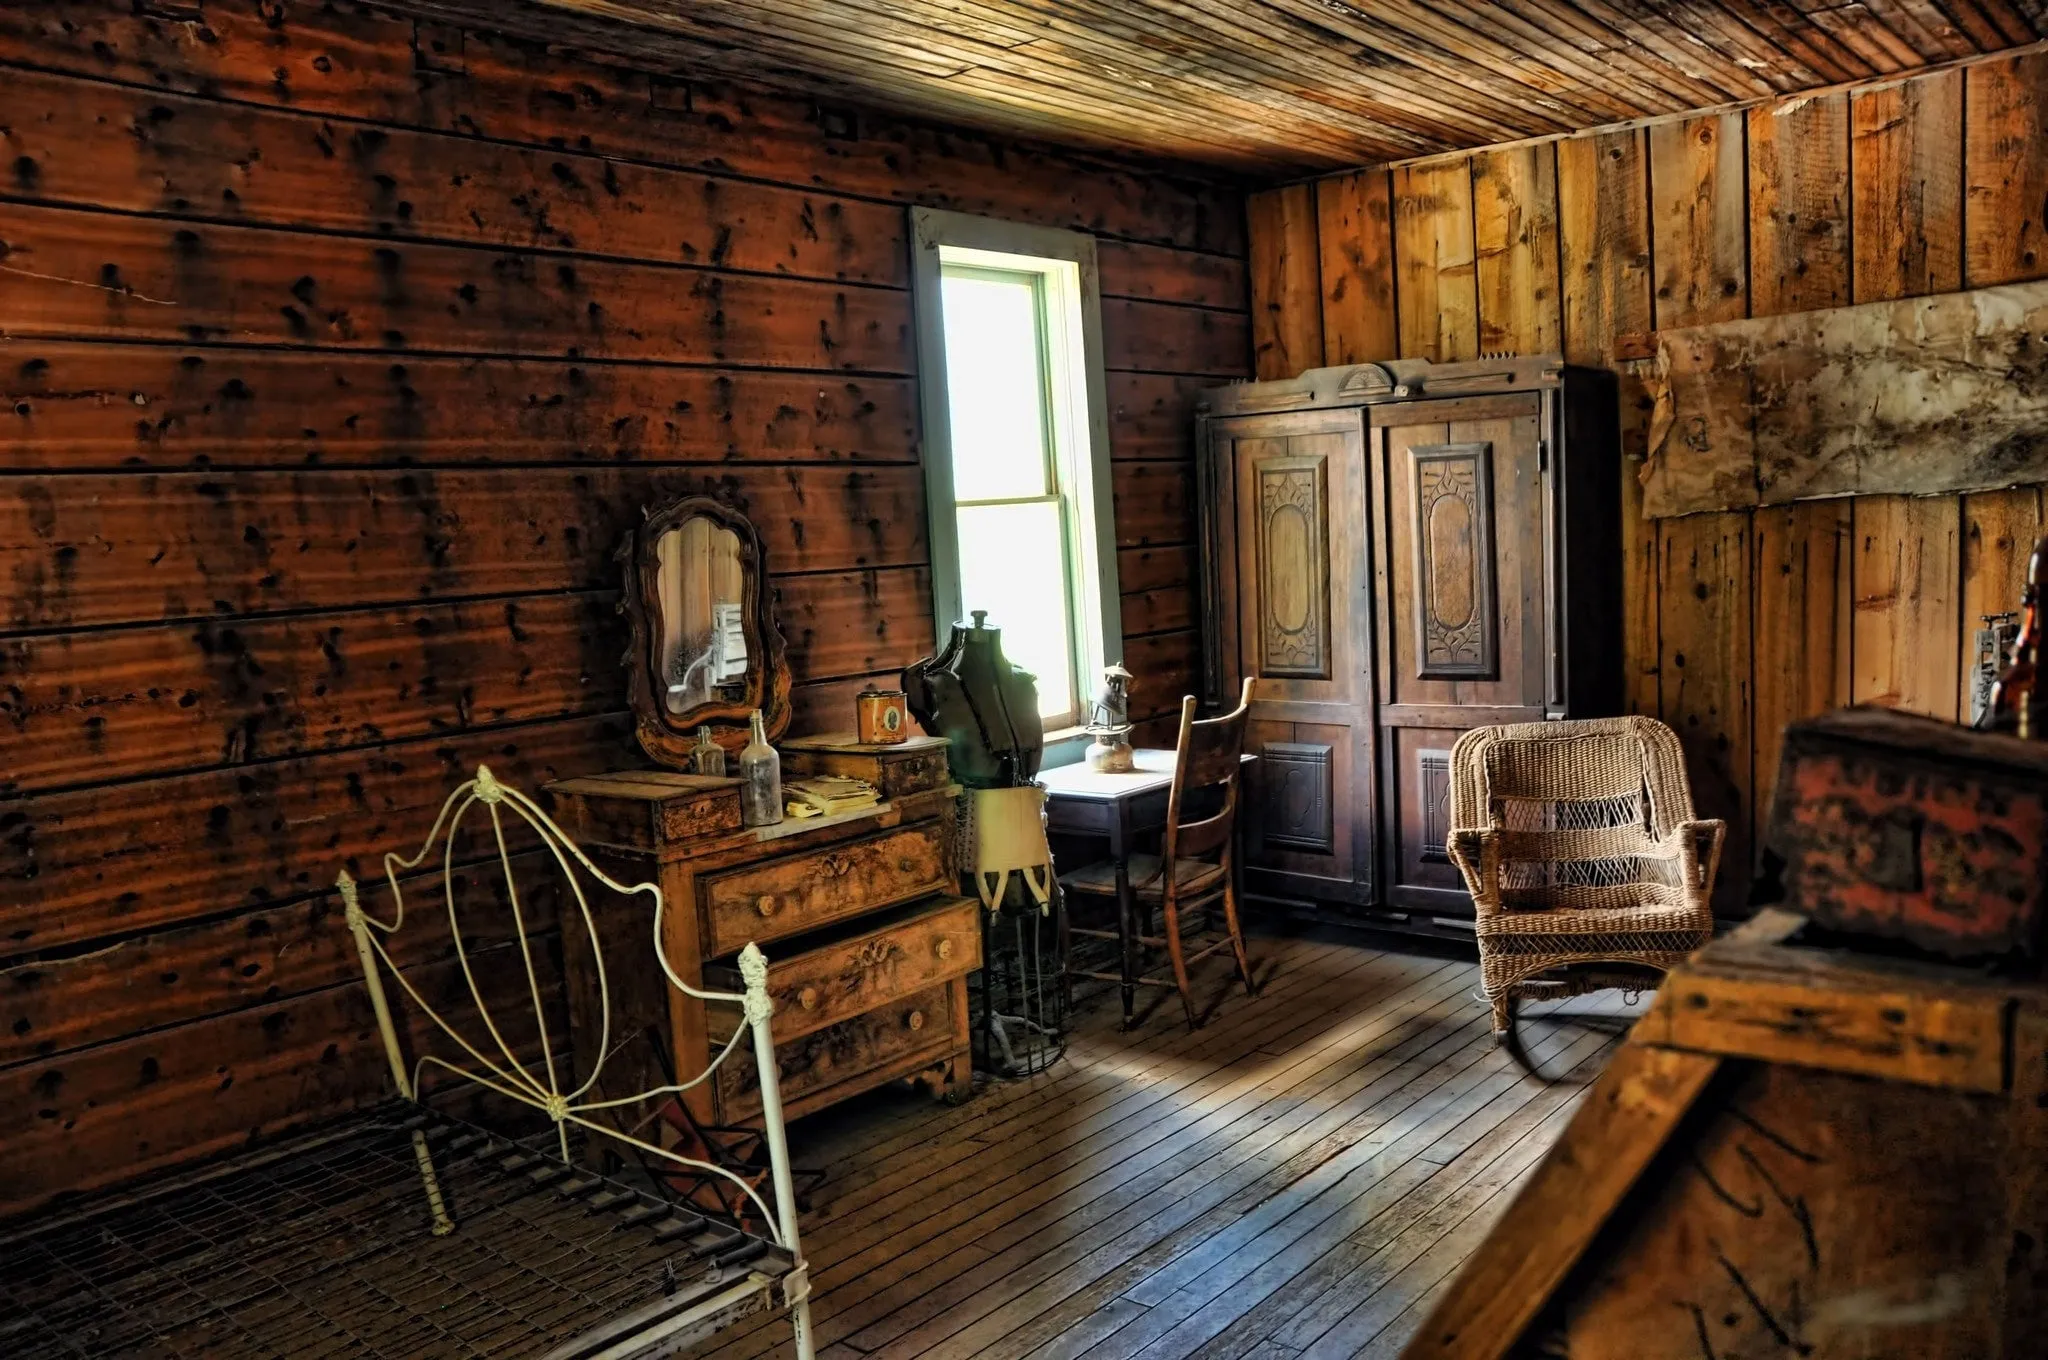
[796,893]
[841,979]
[890,1036]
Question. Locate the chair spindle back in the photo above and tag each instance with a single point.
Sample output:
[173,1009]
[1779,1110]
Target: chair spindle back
[1208,755]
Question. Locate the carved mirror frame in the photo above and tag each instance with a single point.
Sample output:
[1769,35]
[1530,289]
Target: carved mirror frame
[665,738]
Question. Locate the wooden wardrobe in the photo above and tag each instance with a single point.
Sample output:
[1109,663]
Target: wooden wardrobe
[1399,552]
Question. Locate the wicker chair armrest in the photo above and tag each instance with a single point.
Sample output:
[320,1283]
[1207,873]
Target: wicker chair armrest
[1697,846]
[1476,852]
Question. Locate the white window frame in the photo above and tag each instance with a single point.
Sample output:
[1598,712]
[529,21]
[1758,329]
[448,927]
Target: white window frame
[1072,293]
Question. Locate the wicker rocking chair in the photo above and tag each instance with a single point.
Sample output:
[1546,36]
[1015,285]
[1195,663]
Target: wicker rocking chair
[1585,863]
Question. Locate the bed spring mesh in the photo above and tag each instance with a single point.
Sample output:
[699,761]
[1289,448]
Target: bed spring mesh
[322,1247]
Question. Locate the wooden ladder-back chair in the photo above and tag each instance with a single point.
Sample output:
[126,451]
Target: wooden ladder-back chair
[1582,854]
[1206,775]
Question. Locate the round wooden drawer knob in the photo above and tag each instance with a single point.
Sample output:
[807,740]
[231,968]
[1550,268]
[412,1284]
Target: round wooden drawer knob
[808,998]
[915,1020]
[945,949]
[765,905]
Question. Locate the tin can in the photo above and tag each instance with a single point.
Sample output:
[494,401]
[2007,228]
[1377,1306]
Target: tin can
[884,718]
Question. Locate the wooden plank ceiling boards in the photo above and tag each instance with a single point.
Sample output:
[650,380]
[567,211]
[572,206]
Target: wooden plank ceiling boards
[1275,88]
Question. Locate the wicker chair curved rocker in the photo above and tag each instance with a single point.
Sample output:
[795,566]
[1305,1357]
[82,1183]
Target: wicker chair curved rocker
[1208,756]
[1586,865]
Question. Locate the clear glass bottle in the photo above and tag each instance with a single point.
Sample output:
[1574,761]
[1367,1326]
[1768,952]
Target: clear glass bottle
[761,780]
[707,756]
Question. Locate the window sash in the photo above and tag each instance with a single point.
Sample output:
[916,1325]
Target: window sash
[1050,453]
[1075,392]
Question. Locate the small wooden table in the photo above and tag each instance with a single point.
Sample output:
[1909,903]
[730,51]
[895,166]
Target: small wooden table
[1117,808]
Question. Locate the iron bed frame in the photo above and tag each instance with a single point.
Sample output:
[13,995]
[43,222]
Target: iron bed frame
[315,1246]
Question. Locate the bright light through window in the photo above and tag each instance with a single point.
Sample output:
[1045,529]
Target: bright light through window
[1013,520]
[1016,460]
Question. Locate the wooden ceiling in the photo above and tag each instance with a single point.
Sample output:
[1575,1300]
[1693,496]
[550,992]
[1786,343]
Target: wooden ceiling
[1276,88]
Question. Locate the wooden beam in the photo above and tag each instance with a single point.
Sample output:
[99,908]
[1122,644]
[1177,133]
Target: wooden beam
[1917,396]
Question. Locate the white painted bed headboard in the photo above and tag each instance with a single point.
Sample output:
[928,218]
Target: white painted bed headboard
[540,1082]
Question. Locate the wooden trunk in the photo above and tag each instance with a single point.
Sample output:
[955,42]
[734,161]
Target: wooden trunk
[1890,825]
[1401,552]
[868,947]
[1800,1151]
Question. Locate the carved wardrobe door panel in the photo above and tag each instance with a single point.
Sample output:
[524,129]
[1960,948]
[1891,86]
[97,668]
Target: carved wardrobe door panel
[1293,489]
[1460,486]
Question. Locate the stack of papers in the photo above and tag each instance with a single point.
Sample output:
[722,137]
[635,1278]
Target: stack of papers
[828,795]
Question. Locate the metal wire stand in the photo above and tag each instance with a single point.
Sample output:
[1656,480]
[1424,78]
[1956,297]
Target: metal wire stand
[1021,1000]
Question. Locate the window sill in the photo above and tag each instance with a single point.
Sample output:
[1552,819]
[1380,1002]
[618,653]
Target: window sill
[1063,747]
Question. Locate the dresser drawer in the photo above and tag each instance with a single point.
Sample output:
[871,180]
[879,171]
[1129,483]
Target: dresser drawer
[842,977]
[900,1037]
[801,892]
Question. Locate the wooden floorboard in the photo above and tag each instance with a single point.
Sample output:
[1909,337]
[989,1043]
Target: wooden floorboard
[1298,1178]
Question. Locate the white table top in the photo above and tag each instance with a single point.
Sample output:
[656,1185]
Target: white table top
[1155,771]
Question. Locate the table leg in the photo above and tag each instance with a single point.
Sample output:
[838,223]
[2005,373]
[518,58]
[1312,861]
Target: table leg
[1066,943]
[1126,917]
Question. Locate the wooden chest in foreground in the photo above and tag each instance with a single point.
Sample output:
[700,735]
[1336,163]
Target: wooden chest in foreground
[1799,1152]
[868,944]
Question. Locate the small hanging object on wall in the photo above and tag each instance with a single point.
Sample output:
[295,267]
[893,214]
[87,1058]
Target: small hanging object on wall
[882,717]
[2018,704]
[1110,750]
[1994,653]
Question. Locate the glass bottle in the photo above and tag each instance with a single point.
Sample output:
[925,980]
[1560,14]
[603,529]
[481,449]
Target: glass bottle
[2018,704]
[761,779]
[707,756]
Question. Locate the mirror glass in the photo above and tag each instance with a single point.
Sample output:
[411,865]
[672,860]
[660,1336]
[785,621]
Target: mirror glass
[703,602]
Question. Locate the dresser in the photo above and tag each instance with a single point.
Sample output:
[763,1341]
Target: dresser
[868,942]
[1400,552]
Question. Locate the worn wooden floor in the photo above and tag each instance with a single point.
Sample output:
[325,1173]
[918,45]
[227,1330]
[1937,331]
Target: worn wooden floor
[1298,1177]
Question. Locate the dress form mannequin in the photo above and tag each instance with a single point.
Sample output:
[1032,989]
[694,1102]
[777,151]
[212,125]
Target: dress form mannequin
[988,707]
[972,695]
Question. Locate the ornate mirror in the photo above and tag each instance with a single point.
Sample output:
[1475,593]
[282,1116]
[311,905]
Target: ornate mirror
[705,649]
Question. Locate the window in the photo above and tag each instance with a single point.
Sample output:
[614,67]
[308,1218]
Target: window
[1016,449]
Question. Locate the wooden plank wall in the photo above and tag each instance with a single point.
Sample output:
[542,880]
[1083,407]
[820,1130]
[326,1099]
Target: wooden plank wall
[1736,623]
[337,353]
